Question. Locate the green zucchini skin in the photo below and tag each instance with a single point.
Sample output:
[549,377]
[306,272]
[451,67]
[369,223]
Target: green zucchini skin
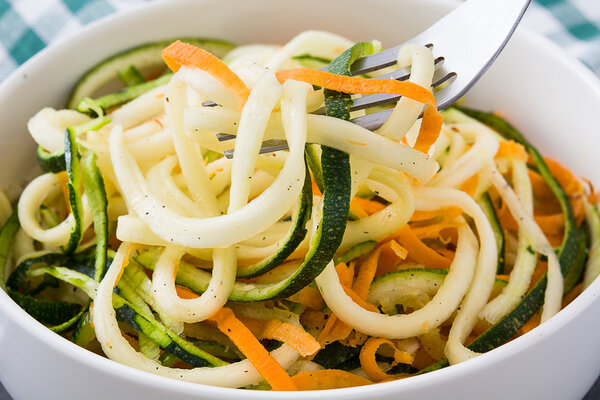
[346,358]
[72,161]
[84,332]
[384,290]
[324,243]
[310,61]
[7,237]
[165,338]
[140,57]
[46,312]
[313,160]
[96,195]
[571,253]
[575,274]
[73,158]
[71,322]
[328,235]
[295,237]
[55,162]
[17,278]
[131,76]
[334,355]
[356,251]
[568,250]
[485,202]
[142,321]
[51,312]
[82,262]
[105,103]
[59,315]
[50,162]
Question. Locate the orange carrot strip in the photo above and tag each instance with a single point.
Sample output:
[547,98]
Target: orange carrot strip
[370,206]
[345,273]
[506,219]
[592,196]
[446,213]
[309,297]
[432,120]
[291,335]
[255,326]
[185,293]
[125,263]
[433,231]
[419,251]
[366,273]
[470,185]
[178,54]
[357,209]
[334,327]
[511,149]
[339,329]
[328,379]
[249,345]
[360,301]
[326,336]
[572,187]
[353,84]
[315,188]
[369,364]
[391,254]
[430,129]
[551,224]
[569,297]
[63,178]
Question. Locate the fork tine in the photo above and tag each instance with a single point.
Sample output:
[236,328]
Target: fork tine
[370,121]
[497,18]
[223,137]
[379,99]
[378,61]
[375,100]
[268,146]
[404,73]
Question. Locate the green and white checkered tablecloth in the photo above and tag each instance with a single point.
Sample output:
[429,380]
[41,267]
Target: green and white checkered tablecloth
[26,26]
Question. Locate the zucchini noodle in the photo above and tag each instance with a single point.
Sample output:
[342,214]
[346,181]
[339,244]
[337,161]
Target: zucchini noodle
[481,286]
[441,306]
[118,348]
[520,276]
[351,257]
[407,111]
[29,203]
[539,242]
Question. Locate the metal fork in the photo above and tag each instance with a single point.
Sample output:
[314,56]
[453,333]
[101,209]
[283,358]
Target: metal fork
[465,42]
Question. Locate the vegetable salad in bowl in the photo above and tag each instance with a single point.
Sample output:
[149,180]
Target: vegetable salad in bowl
[349,258]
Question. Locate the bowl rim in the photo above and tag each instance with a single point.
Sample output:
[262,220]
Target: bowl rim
[16,315]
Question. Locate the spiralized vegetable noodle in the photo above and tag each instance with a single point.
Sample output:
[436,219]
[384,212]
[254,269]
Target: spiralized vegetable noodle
[350,257]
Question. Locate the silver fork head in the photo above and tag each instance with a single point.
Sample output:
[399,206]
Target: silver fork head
[470,38]
[467,40]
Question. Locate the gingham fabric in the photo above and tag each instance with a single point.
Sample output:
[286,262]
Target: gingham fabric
[27,26]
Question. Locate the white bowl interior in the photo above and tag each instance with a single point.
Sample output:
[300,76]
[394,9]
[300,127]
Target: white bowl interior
[553,100]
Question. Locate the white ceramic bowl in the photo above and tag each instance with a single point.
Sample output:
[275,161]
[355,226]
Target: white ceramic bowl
[551,98]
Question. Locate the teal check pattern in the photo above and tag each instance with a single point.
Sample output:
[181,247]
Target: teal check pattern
[27,26]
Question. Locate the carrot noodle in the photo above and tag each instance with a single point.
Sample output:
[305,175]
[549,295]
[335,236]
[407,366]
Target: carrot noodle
[369,364]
